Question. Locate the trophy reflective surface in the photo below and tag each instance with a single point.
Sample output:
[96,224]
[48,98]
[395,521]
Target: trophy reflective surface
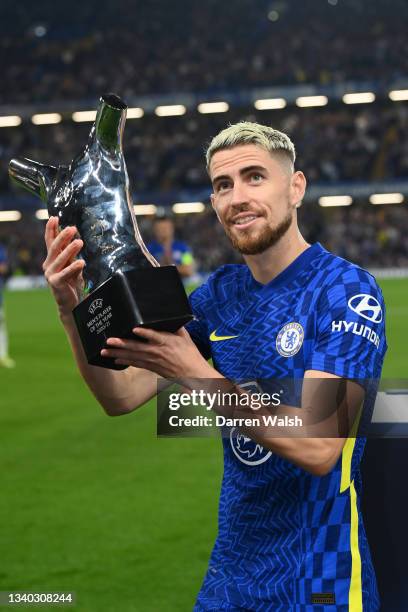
[124,285]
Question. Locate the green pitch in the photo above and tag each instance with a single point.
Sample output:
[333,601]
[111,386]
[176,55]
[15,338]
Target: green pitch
[99,505]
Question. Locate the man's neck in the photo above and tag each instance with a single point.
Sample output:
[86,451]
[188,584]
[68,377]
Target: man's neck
[267,265]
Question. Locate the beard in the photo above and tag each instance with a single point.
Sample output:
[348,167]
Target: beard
[268,237]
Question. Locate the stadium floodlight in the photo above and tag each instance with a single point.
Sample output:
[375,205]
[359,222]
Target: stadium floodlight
[338,200]
[42,214]
[213,107]
[145,209]
[134,113]
[46,118]
[359,98]
[10,215]
[397,95]
[270,103]
[188,207]
[386,198]
[10,121]
[305,101]
[171,110]
[82,116]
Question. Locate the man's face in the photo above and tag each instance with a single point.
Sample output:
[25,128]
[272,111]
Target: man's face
[254,196]
[163,230]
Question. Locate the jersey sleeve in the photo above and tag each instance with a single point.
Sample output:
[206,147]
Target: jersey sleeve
[197,328]
[350,327]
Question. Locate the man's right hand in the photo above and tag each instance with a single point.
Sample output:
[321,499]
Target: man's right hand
[62,271]
[118,391]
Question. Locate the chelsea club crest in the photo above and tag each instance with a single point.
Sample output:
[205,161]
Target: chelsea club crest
[290,339]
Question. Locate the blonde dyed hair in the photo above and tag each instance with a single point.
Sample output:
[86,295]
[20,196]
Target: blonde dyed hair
[247,132]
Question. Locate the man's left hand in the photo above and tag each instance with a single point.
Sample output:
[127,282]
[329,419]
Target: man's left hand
[170,355]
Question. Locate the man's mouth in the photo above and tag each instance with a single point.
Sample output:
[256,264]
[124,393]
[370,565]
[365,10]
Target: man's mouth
[244,220]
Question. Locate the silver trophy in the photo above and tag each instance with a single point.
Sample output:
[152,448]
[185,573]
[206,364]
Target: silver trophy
[124,285]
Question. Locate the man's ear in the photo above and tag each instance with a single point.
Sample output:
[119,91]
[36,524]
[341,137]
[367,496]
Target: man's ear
[297,188]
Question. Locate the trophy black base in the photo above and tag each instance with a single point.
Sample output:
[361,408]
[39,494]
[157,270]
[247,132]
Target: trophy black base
[147,297]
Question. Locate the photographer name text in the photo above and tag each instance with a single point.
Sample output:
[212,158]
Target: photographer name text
[222,421]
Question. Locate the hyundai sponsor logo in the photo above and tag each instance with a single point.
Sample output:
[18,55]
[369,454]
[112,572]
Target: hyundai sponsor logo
[359,329]
[366,306]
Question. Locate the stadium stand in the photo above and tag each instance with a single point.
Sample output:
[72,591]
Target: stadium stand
[66,58]
[59,52]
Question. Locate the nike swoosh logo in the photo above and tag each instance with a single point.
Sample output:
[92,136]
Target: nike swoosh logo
[215,338]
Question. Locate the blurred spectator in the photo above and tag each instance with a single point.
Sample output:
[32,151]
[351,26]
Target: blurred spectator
[167,250]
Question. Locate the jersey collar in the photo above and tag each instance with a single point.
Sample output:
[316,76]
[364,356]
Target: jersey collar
[288,274]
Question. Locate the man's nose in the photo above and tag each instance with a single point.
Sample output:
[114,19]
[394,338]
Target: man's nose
[239,195]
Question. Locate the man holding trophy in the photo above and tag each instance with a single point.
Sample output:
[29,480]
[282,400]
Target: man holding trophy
[290,531]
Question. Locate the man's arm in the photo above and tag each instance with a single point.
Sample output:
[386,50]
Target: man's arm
[329,410]
[175,356]
[327,418]
[186,270]
[118,392]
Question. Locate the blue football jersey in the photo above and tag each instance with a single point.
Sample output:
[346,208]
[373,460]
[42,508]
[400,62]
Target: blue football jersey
[288,540]
[181,253]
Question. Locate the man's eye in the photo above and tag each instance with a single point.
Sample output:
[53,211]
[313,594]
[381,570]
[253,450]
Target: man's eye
[222,186]
[256,177]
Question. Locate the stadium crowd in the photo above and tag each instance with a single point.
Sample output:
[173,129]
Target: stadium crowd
[371,236]
[334,144]
[71,55]
[62,51]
